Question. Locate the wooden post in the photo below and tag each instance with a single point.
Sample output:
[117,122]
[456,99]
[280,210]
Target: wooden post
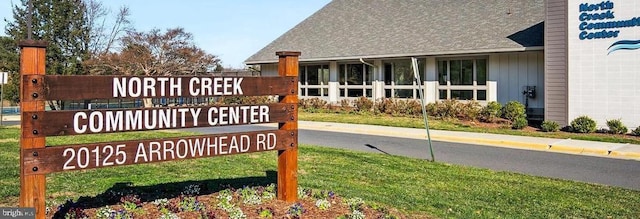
[32,62]
[288,159]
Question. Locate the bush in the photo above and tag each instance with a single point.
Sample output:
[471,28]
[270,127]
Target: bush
[583,124]
[363,104]
[470,110]
[312,105]
[549,126]
[491,112]
[636,131]
[513,110]
[386,106]
[520,123]
[616,127]
[410,108]
[447,109]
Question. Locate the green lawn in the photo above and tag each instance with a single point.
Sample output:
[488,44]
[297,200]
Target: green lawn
[411,185]
[453,125]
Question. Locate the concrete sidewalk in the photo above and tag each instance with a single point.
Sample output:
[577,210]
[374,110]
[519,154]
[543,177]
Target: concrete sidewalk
[593,148]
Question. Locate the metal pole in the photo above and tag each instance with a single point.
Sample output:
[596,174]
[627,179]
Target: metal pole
[416,75]
[3,76]
[29,20]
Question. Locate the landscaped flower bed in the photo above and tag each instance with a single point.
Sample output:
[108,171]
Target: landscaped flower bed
[247,202]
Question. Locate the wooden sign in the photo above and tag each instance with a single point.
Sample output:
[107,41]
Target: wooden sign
[88,156]
[57,87]
[57,123]
[37,160]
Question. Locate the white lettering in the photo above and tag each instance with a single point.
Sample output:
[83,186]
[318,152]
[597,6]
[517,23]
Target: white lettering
[76,120]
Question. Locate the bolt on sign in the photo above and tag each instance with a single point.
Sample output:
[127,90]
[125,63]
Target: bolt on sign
[37,159]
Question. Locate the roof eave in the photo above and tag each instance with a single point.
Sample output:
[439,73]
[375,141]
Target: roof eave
[338,58]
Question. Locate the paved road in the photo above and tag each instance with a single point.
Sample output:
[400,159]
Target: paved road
[615,172]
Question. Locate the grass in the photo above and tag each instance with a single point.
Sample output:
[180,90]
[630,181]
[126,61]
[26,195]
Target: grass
[411,185]
[454,125]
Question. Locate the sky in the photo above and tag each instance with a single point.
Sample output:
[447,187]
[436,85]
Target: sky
[233,30]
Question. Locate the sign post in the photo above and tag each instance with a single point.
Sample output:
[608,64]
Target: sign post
[3,80]
[32,187]
[288,159]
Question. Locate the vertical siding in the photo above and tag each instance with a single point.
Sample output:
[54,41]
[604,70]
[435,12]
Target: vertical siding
[513,72]
[555,67]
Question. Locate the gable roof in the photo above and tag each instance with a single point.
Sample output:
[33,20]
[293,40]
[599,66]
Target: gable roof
[348,29]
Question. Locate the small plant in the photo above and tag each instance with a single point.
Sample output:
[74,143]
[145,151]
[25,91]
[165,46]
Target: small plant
[356,214]
[189,204]
[304,193]
[583,124]
[268,192]
[104,212]
[265,212]
[191,190]
[491,112]
[636,131]
[549,126]
[224,200]
[169,215]
[513,110]
[249,196]
[160,202]
[75,213]
[121,214]
[354,203]
[323,204]
[131,202]
[296,210]
[520,123]
[236,213]
[616,127]
[208,214]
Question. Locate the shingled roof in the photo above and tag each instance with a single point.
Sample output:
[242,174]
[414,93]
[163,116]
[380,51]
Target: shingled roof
[348,29]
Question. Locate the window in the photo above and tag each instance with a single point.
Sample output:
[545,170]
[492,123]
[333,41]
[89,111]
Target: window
[353,78]
[398,75]
[462,79]
[313,79]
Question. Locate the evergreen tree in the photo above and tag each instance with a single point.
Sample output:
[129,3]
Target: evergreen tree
[63,24]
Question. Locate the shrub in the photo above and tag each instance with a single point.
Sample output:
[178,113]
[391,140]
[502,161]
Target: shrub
[470,110]
[313,104]
[491,112]
[636,131]
[447,109]
[520,123]
[583,124]
[363,104]
[409,108]
[549,126]
[616,127]
[386,106]
[513,110]
[345,104]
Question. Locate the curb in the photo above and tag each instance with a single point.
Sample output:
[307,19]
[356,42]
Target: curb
[487,142]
